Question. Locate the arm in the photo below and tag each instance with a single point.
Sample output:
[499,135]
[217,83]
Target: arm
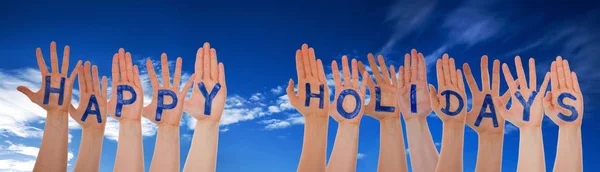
[422,149]
[166,150]
[53,151]
[392,155]
[130,151]
[203,152]
[314,146]
[531,150]
[568,152]
[345,149]
[451,156]
[90,149]
[489,152]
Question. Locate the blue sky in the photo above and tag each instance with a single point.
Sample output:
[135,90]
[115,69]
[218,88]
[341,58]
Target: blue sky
[256,40]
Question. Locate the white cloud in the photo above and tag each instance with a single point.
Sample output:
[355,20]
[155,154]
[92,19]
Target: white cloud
[407,16]
[18,149]
[16,165]
[277,90]
[361,156]
[274,109]
[224,130]
[256,97]
[273,124]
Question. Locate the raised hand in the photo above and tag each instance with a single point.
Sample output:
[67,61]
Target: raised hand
[91,111]
[313,93]
[385,102]
[527,109]
[450,104]
[166,107]
[349,99]
[56,90]
[412,86]
[564,104]
[483,118]
[127,99]
[209,92]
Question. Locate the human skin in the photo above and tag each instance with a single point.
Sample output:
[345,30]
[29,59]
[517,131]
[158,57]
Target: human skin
[314,148]
[569,155]
[92,135]
[531,146]
[166,149]
[489,155]
[450,79]
[345,148]
[202,155]
[420,144]
[130,154]
[392,153]
[52,155]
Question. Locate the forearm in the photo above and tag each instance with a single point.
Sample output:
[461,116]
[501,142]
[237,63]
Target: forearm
[422,149]
[203,151]
[345,149]
[314,147]
[130,154]
[568,154]
[489,154]
[166,149]
[90,149]
[531,150]
[451,156]
[392,154]
[53,150]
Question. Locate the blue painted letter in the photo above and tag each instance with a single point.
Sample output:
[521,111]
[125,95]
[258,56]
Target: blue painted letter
[378,106]
[561,103]
[311,95]
[120,101]
[461,103]
[93,102]
[487,102]
[340,102]
[526,104]
[413,98]
[208,97]
[161,102]
[60,91]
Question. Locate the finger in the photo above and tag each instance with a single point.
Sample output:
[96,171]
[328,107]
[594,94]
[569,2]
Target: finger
[561,73]
[422,70]
[354,74]
[41,62]
[512,86]
[384,69]
[81,80]
[401,77]
[199,67]
[470,80]
[521,73]
[506,95]
[407,68]
[433,97]
[453,74]
[439,69]
[337,80]
[568,80]
[95,80]
[554,76]
[306,61]
[187,85]
[545,83]
[87,75]
[461,83]
[129,66]
[104,87]
[54,58]
[375,69]
[321,71]
[300,65]
[393,72]
[222,74]
[214,68]
[75,71]
[346,72]
[152,75]
[496,77]
[446,69]
[165,70]
[548,101]
[206,58]
[115,69]
[363,86]
[65,64]
[413,65]
[576,87]
[502,106]
[485,74]
[30,94]
[532,75]
[122,65]
[313,62]
[136,76]
[290,92]
[177,76]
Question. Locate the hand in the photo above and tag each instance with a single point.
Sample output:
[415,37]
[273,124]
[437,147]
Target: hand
[55,78]
[310,71]
[166,115]
[450,81]
[89,89]
[564,82]
[213,77]
[521,94]
[408,78]
[485,96]
[349,102]
[387,97]
[126,75]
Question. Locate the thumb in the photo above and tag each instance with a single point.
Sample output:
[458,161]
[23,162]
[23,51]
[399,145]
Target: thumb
[290,92]
[548,100]
[500,106]
[30,94]
[433,96]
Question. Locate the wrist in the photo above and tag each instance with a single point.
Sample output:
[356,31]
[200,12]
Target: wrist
[453,126]
[387,122]
[207,124]
[93,131]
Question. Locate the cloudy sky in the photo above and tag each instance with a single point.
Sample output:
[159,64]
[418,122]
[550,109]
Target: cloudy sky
[256,40]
